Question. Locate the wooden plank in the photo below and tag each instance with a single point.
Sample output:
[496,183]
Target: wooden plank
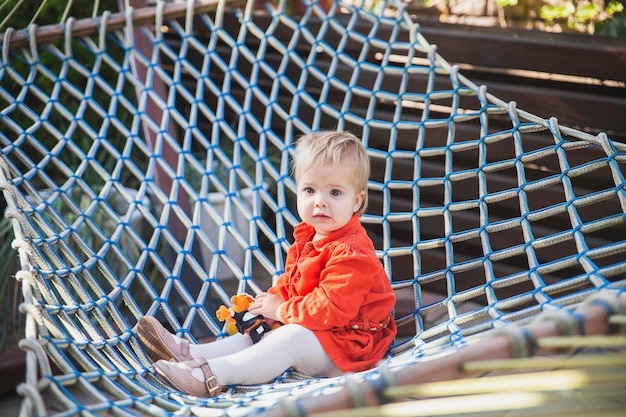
[572,54]
[489,55]
[592,112]
[13,369]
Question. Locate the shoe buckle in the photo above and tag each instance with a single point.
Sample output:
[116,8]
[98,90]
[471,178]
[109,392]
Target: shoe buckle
[211,384]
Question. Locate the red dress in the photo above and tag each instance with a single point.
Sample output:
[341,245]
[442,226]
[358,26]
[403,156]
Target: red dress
[337,288]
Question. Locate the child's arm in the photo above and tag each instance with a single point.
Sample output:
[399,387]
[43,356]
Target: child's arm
[345,285]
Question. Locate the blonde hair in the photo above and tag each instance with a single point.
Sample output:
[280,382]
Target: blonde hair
[333,148]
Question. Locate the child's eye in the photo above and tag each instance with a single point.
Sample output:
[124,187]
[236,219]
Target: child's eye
[335,193]
[309,190]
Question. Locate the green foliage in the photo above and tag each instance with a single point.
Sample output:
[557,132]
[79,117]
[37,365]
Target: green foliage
[614,7]
[587,12]
[504,3]
[20,14]
[430,3]
[11,322]
[615,26]
[550,13]
[586,16]
[66,78]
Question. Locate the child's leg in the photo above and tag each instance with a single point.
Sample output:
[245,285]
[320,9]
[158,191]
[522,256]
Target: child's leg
[221,347]
[159,343]
[288,346]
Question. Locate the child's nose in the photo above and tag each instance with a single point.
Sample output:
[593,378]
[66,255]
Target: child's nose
[320,201]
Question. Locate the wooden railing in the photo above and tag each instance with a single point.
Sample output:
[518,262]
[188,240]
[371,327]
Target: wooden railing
[579,79]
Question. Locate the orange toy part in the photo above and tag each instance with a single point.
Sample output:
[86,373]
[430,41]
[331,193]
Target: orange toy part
[223,314]
[240,303]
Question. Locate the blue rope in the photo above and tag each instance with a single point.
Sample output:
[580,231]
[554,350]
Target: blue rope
[477,224]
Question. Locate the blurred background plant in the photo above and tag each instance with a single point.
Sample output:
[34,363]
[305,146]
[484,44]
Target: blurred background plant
[587,17]
[21,15]
[11,321]
[593,17]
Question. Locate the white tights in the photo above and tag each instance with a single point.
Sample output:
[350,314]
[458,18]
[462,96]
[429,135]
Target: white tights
[236,360]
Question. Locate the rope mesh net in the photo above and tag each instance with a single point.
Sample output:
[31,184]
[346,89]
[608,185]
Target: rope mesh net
[146,170]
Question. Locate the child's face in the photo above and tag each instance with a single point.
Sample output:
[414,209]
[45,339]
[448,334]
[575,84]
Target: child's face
[328,197]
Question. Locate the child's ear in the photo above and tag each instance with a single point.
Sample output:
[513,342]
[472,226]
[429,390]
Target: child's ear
[358,201]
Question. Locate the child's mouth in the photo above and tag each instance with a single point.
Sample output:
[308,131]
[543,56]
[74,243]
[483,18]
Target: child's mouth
[321,217]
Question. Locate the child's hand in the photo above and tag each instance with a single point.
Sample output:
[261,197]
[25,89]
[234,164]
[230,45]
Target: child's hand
[266,305]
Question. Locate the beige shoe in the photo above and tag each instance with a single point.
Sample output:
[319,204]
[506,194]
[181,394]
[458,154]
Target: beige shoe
[159,343]
[178,375]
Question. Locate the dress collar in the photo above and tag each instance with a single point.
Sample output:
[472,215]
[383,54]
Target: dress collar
[304,232]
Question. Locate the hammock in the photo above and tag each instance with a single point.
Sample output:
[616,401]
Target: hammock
[145,164]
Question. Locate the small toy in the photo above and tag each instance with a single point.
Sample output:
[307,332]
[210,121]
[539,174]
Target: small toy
[238,318]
